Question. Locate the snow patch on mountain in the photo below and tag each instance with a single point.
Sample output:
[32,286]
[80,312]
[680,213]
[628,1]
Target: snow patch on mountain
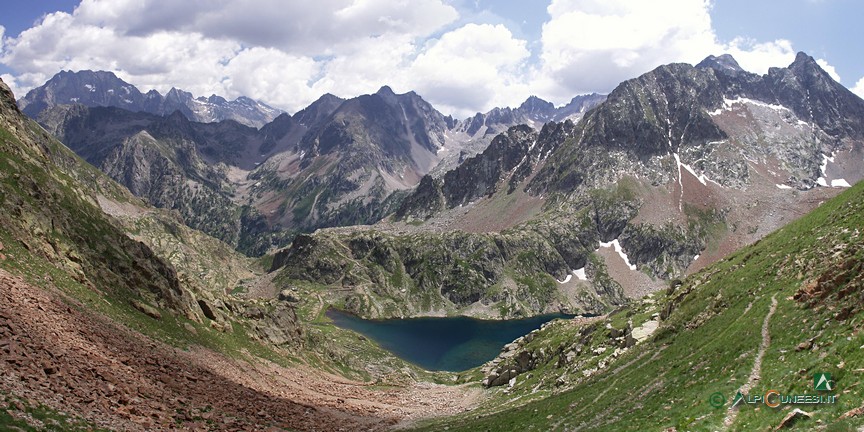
[729,103]
[822,170]
[617,246]
[580,274]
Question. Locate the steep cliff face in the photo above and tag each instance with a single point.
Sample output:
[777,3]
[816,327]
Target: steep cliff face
[375,274]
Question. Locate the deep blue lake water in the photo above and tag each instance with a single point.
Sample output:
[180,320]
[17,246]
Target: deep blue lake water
[449,344]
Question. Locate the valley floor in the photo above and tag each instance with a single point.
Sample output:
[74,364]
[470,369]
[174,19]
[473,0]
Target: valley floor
[58,356]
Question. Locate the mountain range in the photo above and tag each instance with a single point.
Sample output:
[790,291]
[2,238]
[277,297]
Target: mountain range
[646,185]
[100,88]
[676,169]
[336,162]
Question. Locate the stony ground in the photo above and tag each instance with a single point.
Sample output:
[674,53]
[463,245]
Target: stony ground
[54,353]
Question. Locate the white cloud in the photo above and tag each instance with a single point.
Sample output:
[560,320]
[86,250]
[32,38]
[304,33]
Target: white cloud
[592,45]
[284,53]
[289,53]
[372,63]
[273,76]
[859,88]
[759,57]
[308,28]
[828,68]
[158,60]
[473,68]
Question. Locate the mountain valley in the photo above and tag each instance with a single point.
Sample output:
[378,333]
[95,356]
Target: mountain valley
[172,270]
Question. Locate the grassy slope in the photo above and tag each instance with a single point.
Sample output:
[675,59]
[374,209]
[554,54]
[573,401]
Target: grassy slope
[709,342]
[23,243]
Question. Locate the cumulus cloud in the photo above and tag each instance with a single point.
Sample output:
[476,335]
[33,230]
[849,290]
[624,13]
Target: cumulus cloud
[272,75]
[859,88]
[829,68]
[289,53]
[300,27]
[472,68]
[283,53]
[759,57]
[371,64]
[593,45]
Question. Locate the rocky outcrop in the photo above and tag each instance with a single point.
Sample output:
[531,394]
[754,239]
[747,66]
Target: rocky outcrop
[518,270]
[513,361]
[565,351]
[272,321]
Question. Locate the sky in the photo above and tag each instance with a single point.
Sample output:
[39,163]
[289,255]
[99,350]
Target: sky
[463,56]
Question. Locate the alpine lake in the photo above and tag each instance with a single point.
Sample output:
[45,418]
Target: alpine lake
[442,344]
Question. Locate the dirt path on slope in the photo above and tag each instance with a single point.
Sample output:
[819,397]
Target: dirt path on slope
[756,372]
[55,352]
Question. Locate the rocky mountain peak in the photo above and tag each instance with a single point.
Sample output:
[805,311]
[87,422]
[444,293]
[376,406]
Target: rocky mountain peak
[802,58]
[329,98]
[535,105]
[723,62]
[318,110]
[217,100]
[385,90]
[805,65]
[176,94]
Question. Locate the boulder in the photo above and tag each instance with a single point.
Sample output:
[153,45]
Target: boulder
[146,309]
[503,378]
[792,418]
[279,326]
[289,296]
[524,361]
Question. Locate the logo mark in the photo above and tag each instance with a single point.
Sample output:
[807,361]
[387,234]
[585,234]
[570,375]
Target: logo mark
[717,400]
[822,381]
[738,398]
